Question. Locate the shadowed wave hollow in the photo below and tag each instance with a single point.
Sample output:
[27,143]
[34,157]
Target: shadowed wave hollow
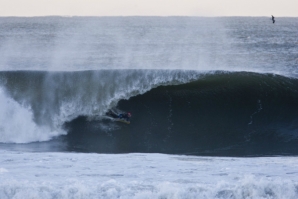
[236,113]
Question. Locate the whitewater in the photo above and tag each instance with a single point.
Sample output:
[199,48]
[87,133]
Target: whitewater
[214,105]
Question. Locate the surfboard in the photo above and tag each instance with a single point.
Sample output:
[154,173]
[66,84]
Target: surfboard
[122,120]
[118,120]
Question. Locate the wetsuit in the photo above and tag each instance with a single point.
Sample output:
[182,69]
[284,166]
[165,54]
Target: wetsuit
[118,116]
[124,116]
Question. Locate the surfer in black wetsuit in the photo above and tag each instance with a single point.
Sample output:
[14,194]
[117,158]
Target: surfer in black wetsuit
[273,20]
[125,116]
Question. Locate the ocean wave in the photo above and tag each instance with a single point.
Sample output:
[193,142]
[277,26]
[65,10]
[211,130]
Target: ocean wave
[179,112]
[53,98]
[218,114]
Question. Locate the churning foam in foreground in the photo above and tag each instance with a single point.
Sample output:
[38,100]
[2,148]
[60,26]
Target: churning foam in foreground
[17,124]
[77,175]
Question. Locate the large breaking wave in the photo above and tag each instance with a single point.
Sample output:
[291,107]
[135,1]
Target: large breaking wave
[180,112]
[46,100]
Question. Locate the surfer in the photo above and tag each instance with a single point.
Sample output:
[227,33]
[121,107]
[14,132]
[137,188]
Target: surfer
[125,116]
[273,20]
[122,116]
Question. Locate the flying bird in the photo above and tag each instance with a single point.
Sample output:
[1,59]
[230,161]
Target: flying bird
[273,20]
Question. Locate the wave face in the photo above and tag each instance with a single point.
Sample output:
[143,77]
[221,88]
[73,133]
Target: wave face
[218,114]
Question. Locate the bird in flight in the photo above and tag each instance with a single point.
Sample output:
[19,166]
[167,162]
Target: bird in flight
[273,20]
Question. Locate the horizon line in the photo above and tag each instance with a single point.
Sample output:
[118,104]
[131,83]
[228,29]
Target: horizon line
[143,16]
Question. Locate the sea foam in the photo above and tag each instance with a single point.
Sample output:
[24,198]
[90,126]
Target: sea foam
[17,123]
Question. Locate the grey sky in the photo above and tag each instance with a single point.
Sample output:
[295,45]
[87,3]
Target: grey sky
[149,7]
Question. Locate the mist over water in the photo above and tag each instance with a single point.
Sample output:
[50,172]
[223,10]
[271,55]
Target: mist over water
[196,43]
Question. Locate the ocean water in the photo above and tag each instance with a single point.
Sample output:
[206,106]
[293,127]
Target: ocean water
[214,105]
